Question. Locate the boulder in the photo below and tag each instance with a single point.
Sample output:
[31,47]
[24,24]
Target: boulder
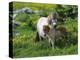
[23,10]
[15,24]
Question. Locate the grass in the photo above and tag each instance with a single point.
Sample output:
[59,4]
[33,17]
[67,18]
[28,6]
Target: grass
[24,46]
[37,6]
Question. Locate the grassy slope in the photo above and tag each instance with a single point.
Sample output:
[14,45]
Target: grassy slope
[24,45]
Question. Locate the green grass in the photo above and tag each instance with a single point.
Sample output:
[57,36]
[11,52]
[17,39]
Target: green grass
[25,46]
[34,6]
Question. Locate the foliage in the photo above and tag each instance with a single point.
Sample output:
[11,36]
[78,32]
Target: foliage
[65,11]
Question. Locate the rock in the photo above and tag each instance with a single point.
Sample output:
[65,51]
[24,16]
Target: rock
[38,11]
[23,10]
[14,13]
[15,24]
[27,10]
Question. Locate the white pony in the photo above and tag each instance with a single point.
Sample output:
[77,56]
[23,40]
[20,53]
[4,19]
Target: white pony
[44,24]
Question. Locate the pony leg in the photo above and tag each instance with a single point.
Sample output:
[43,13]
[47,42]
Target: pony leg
[52,42]
[38,38]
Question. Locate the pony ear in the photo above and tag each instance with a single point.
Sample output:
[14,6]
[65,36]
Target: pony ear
[55,15]
[50,16]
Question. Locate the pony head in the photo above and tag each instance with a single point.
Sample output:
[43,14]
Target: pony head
[52,18]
